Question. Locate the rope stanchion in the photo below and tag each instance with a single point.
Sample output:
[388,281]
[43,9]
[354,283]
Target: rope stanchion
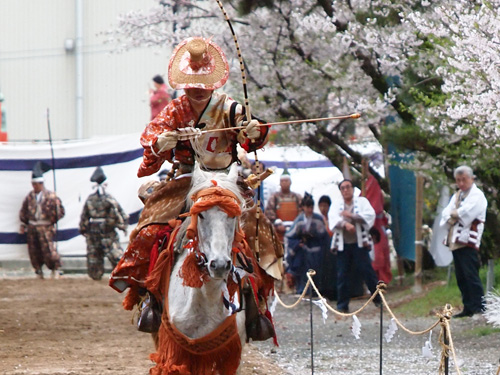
[312,327]
[445,338]
[381,335]
[446,341]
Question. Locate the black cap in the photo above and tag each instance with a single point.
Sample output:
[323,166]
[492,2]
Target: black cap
[163,174]
[158,79]
[308,200]
[38,170]
[98,176]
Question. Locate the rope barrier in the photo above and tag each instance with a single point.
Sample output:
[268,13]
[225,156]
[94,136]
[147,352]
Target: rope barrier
[445,338]
[445,322]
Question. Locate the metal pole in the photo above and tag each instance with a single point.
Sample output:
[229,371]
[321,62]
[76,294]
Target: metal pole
[79,69]
[381,335]
[311,320]
[53,172]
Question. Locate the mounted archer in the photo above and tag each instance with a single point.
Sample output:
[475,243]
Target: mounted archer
[199,67]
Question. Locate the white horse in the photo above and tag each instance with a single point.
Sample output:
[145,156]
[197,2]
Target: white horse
[204,321]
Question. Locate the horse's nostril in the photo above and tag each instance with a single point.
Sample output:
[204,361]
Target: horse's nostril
[221,265]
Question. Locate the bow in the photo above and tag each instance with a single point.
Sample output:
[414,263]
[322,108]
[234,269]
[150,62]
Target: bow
[240,59]
[248,116]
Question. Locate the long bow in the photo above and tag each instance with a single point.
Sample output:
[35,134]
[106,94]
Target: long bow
[248,114]
[240,59]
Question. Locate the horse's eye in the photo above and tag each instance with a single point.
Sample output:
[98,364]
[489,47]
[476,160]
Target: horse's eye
[200,216]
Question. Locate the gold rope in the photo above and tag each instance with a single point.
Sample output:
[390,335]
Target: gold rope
[380,288]
[445,324]
[444,319]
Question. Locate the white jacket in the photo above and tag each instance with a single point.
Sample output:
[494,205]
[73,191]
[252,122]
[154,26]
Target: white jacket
[363,208]
[471,217]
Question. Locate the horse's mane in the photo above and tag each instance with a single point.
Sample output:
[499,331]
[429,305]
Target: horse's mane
[203,180]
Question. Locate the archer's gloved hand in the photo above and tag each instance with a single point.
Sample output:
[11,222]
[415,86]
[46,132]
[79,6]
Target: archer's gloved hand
[252,129]
[188,133]
[166,141]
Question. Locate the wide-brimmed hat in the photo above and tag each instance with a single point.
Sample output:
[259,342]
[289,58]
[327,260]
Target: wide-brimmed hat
[197,63]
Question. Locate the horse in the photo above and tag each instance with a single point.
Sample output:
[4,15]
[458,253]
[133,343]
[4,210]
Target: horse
[203,328]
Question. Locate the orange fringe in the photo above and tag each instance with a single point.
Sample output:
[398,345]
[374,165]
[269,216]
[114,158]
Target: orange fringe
[217,353]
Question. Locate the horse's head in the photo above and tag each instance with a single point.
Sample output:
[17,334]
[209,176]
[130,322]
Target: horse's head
[215,210]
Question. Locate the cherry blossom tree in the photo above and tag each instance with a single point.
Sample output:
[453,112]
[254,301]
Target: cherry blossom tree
[464,121]
[425,75]
[303,59]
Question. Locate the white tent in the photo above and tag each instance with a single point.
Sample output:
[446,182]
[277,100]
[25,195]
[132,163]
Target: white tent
[310,172]
[75,162]
[120,157]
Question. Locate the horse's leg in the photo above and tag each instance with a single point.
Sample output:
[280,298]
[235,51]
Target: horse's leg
[242,331]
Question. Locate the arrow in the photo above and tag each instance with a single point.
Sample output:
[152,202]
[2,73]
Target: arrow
[291,122]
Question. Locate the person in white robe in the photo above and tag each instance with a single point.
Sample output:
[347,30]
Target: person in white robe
[464,218]
[351,220]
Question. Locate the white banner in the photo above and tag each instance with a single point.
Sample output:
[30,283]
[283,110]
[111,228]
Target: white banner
[75,161]
[120,157]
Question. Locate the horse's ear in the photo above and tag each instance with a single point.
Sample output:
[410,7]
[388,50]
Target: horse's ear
[233,172]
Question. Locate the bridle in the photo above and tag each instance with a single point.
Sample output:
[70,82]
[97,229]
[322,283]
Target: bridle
[229,203]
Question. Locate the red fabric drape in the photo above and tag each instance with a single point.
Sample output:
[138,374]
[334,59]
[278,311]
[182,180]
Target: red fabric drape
[382,261]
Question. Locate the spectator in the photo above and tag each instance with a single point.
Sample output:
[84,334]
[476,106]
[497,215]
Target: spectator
[329,279]
[158,97]
[307,240]
[100,218]
[40,212]
[324,205]
[351,221]
[284,205]
[464,218]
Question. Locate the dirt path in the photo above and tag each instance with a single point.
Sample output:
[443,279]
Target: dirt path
[77,326]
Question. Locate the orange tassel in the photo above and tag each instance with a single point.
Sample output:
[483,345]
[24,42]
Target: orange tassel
[131,299]
[191,273]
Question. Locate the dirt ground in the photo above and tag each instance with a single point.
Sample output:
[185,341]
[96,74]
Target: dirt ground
[77,326]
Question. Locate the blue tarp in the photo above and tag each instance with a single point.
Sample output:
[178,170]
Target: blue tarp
[403,202]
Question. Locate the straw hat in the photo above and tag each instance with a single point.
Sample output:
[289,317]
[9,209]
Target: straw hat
[197,63]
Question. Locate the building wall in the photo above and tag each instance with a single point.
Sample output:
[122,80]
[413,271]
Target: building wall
[36,72]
